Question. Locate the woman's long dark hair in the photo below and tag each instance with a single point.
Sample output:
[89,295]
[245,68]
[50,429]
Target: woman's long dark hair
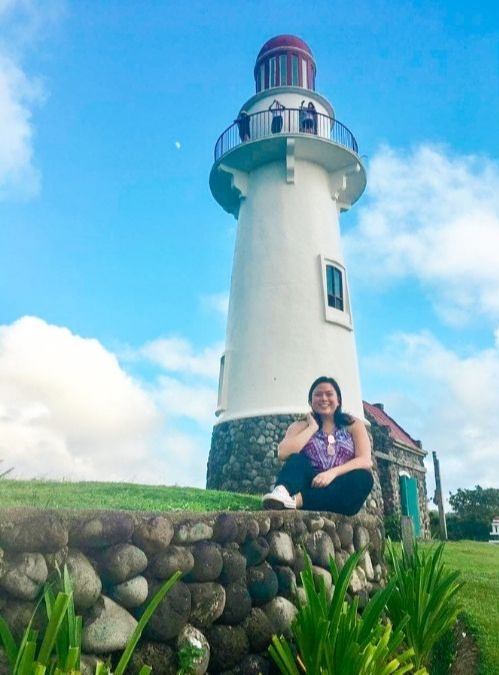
[341,419]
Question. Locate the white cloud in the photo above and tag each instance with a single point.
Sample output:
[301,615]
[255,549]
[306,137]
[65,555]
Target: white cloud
[194,402]
[433,217]
[18,176]
[217,302]
[69,410]
[452,405]
[23,23]
[177,355]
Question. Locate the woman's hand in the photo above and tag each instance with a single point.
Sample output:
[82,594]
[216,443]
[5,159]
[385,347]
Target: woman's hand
[312,423]
[324,479]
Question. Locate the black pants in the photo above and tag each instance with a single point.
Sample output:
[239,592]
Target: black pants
[344,495]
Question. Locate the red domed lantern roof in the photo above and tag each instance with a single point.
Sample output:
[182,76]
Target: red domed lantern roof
[285,61]
[284,41]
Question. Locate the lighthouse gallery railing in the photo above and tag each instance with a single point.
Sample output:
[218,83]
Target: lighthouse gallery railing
[288,121]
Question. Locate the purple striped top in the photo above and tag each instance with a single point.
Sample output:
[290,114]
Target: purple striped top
[316,449]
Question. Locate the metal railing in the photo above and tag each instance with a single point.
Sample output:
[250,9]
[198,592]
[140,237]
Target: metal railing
[288,121]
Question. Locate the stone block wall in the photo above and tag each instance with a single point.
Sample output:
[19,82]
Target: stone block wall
[240,577]
[243,454]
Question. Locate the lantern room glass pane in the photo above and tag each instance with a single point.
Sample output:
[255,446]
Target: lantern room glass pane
[294,71]
[304,79]
[273,71]
[283,69]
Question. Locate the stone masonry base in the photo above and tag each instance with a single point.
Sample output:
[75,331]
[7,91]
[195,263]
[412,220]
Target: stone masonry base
[240,578]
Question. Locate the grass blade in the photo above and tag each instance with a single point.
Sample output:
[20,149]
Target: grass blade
[52,630]
[9,643]
[149,611]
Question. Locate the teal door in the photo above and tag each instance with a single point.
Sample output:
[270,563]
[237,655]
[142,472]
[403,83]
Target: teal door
[409,502]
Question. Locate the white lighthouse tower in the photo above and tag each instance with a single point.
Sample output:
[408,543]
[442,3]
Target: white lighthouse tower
[285,169]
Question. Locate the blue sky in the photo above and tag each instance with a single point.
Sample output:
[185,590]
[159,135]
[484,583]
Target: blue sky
[116,260]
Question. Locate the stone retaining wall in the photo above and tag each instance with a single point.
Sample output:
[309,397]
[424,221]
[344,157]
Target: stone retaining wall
[240,575]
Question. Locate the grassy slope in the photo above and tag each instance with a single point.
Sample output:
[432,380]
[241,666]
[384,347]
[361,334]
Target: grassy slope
[46,494]
[478,562]
[479,566]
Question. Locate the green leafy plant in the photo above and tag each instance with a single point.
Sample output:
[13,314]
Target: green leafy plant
[58,650]
[423,598]
[331,637]
[187,656]
[392,526]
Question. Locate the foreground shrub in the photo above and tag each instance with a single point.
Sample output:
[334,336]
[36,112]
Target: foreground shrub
[58,650]
[423,601]
[332,638]
[392,527]
[458,528]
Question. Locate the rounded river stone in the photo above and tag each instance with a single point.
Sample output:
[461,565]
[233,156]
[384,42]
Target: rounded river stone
[262,583]
[207,561]
[172,613]
[153,535]
[122,562]
[237,604]
[207,603]
[228,646]
[167,562]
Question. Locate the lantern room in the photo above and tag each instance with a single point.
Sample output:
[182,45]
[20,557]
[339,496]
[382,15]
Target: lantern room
[285,61]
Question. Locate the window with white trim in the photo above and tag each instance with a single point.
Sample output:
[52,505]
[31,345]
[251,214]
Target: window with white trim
[334,281]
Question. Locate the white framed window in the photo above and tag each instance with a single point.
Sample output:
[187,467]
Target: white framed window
[335,293]
[334,284]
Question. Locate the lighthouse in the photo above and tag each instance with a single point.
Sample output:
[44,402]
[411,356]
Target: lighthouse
[286,169]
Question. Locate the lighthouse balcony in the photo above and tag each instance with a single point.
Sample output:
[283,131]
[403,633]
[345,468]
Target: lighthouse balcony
[289,137]
[268,124]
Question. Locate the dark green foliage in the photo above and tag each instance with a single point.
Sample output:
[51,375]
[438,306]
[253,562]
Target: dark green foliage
[477,504]
[392,527]
[443,654]
[476,530]
[332,638]
[187,656]
[425,592]
[57,651]
[434,525]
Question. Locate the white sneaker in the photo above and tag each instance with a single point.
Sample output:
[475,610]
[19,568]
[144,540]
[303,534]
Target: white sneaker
[279,498]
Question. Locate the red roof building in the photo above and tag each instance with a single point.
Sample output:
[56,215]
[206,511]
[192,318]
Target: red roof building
[402,474]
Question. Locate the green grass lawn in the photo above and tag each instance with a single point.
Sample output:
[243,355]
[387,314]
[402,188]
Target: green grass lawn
[479,566]
[58,495]
[478,562]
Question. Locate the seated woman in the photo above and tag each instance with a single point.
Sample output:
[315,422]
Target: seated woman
[328,458]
